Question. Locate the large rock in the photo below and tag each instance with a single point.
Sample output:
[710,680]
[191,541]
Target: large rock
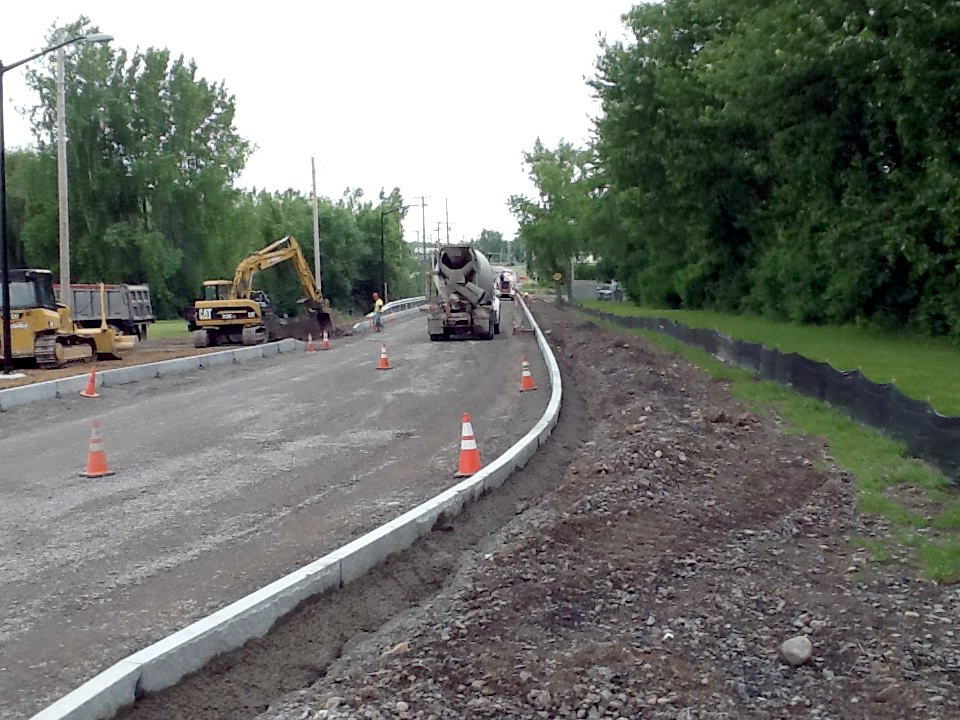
[797,650]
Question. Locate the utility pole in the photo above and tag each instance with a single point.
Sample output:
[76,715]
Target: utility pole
[423,220]
[440,225]
[316,228]
[446,202]
[66,297]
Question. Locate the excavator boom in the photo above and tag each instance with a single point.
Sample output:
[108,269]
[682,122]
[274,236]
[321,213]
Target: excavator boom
[286,248]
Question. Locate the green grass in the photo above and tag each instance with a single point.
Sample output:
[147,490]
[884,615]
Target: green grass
[949,519]
[942,561]
[167,329]
[922,368]
[878,462]
[876,548]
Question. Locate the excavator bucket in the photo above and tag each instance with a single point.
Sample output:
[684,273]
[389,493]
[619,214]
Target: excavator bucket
[312,323]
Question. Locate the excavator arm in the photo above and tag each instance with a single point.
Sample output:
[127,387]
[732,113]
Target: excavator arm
[287,248]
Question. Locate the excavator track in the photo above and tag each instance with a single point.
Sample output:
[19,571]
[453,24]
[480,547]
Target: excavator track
[45,352]
[50,351]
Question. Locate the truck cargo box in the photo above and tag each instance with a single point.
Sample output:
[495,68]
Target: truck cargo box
[129,307]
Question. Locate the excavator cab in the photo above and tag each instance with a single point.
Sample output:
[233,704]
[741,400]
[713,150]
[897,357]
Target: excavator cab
[31,289]
[216,289]
[33,310]
[43,329]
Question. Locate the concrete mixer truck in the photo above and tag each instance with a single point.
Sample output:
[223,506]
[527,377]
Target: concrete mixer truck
[467,303]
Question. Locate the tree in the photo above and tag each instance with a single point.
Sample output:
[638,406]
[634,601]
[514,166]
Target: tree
[491,244]
[153,153]
[554,229]
[793,159]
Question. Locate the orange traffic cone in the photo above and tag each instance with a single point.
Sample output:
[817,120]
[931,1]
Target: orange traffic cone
[326,341]
[384,363]
[91,391]
[469,452]
[96,458]
[310,347]
[526,379]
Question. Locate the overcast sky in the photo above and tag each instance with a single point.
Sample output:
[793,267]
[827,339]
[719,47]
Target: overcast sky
[436,98]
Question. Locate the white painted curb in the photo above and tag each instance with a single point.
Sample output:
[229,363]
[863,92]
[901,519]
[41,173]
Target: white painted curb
[163,664]
[53,389]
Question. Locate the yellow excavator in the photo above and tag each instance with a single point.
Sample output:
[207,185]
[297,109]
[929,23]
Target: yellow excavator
[42,329]
[232,312]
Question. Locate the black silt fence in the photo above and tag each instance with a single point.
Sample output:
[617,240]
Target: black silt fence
[926,433]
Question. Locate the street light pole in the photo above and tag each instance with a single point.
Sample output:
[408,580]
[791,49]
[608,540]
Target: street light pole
[383,281]
[4,239]
[316,229]
[426,270]
[66,297]
[4,253]
[383,276]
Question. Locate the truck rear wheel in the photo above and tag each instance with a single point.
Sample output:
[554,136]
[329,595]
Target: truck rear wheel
[200,338]
[490,330]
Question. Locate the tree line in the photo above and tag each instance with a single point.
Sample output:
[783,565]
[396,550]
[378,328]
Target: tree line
[152,159]
[793,159]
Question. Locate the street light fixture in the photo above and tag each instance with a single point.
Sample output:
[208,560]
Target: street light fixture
[383,277]
[4,242]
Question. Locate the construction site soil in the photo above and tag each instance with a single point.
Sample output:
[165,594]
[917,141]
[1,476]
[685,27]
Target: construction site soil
[650,562]
[148,351]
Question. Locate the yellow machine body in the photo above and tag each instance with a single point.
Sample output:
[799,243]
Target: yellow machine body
[233,312]
[42,329]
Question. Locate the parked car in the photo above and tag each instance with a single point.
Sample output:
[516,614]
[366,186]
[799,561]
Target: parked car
[609,291]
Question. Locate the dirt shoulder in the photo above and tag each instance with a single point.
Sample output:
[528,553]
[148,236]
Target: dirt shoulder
[679,543]
[147,351]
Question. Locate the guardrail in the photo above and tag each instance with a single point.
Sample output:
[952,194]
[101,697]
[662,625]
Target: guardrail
[926,433]
[164,663]
[394,310]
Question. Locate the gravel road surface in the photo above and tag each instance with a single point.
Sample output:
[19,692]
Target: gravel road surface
[668,554]
[226,479]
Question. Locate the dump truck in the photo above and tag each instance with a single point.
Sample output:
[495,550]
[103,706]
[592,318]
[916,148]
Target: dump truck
[129,307]
[43,330]
[467,302]
[232,312]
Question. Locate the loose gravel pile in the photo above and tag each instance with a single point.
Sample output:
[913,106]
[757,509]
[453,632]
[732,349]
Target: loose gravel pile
[695,561]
